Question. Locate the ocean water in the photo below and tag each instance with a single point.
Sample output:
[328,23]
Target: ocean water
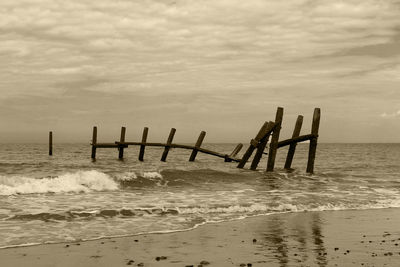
[68,197]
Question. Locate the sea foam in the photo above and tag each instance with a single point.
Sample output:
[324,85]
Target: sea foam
[81,181]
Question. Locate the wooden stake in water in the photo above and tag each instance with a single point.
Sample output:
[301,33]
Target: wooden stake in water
[168,145]
[234,152]
[94,142]
[50,143]
[273,147]
[197,146]
[121,140]
[253,144]
[292,147]
[313,142]
[143,146]
[261,146]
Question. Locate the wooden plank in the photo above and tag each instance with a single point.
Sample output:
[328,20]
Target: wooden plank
[94,142]
[50,143]
[121,140]
[168,145]
[313,142]
[261,146]
[253,144]
[292,147]
[273,147]
[143,146]
[197,146]
[234,153]
[299,139]
[108,145]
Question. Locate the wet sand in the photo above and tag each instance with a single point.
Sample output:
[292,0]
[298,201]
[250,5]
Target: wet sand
[330,238]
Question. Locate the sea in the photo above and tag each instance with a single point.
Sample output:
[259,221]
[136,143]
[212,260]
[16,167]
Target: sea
[68,197]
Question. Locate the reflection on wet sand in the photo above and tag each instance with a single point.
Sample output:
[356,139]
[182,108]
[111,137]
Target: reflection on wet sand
[289,242]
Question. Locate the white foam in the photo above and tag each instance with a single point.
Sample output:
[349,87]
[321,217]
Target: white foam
[152,175]
[81,181]
[127,176]
[230,209]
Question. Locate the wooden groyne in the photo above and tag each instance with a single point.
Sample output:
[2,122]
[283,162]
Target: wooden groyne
[273,128]
[269,132]
[122,144]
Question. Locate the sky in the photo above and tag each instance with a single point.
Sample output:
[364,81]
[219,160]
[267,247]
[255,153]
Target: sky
[219,66]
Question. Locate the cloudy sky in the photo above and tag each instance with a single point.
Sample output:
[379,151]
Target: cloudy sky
[220,66]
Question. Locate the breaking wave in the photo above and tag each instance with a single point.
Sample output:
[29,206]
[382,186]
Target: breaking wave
[81,181]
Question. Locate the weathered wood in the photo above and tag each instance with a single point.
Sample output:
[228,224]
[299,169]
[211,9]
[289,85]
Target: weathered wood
[197,146]
[234,153]
[202,150]
[299,139]
[168,145]
[121,140]
[292,147]
[313,142]
[261,146]
[94,142]
[50,143]
[143,146]
[273,147]
[109,145]
[236,150]
[253,144]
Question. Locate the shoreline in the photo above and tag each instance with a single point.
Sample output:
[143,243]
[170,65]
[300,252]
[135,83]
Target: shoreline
[315,238]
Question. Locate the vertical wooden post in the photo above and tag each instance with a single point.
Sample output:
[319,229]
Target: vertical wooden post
[197,146]
[50,143]
[234,152]
[313,142]
[273,147]
[121,147]
[292,147]
[142,146]
[253,145]
[94,142]
[261,147]
[169,142]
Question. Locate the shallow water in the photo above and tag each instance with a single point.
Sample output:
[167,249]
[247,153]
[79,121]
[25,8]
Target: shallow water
[68,197]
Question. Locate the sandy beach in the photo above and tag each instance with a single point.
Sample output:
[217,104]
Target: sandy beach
[329,238]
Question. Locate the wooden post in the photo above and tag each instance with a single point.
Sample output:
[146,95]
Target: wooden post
[253,145]
[292,147]
[94,142]
[234,152]
[313,142]
[261,147]
[50,143]
[273,147]
[169,142]
[142,146]
[197,146]
[121,147]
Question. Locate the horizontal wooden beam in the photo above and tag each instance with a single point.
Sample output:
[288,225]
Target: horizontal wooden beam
[203,150]
[296,140]
[105,145]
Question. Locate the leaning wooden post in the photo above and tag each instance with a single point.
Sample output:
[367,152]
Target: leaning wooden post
[50,143]
[197,146]
[143,146]
[261,146]
[292,147]
[121,140]
[273,147]
[168,145]
[253,145]
[94,142]
[234,152]
[313,142]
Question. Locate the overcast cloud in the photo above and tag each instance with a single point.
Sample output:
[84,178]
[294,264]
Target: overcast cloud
[220,66]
